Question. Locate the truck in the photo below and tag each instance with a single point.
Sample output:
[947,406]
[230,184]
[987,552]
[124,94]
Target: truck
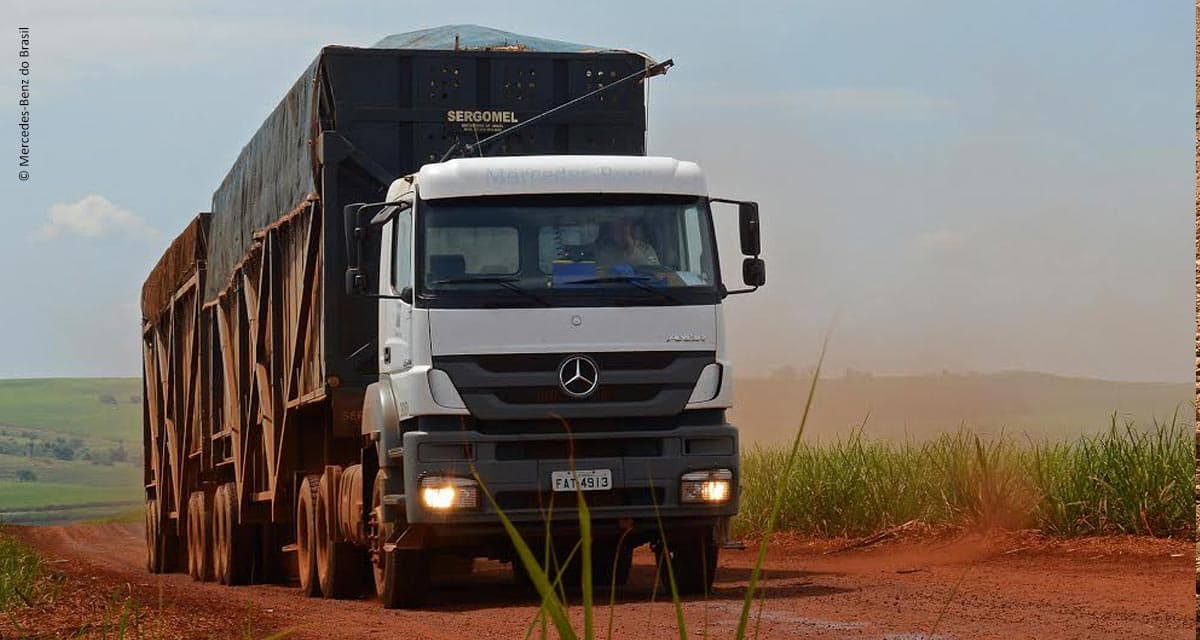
[443,284]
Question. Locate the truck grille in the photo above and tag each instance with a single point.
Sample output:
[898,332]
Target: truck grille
[526,386]
[580,449]
[559,502]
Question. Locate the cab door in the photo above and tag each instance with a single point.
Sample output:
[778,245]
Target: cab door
[395,288]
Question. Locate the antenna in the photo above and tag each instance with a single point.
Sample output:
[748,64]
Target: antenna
[649,72]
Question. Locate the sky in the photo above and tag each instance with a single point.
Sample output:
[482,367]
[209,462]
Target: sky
[956,186]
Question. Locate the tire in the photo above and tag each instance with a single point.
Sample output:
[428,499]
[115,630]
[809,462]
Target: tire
[693,561]
[153,559]
[162,548]
[339,564]
[604,553]
[199,530]
[219,557]
[604,556]
[401,575]
[230,540]
[306,533]
[191,536]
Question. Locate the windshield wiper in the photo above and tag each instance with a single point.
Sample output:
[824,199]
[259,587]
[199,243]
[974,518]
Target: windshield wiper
[504,281]
[637,281]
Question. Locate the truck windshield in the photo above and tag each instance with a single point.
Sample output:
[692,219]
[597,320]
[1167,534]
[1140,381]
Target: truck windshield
[565,250]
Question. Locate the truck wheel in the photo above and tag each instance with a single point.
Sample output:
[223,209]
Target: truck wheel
[401,575]
[604,555]
[339,564]
[152,556]
[231,546]
[306,534]
[198,538]
[693,561]
[162,548]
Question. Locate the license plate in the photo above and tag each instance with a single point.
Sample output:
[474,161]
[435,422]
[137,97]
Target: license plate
[585,479]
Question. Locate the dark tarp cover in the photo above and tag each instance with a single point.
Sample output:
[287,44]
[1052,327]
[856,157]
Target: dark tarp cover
[279,168]
[272,174]
[176,265]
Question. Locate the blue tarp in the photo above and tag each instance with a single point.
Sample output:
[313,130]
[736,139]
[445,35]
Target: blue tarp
[473,36]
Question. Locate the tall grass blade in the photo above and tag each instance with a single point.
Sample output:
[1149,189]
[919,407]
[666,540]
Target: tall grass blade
[680,624]
[552,605]
[585,536]
[777,503]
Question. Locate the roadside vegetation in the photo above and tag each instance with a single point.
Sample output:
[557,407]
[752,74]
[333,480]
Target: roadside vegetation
[1123,481]
[1126,480]
[23,579]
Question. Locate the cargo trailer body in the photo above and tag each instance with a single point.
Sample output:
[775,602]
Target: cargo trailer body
[255,358]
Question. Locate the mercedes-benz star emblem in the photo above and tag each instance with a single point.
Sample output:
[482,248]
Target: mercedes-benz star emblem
[578,376]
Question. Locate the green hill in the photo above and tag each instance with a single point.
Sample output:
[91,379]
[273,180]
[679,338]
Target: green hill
[93,408]
[70,449]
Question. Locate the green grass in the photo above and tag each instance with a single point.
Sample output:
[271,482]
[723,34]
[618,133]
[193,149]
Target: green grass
[1123,481]
[22,496]
[20,571]
[71,472]
[73,406]
[79,489]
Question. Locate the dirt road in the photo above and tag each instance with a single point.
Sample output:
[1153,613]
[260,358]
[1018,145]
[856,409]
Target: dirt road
[1009,586]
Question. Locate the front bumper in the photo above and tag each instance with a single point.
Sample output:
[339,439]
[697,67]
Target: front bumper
[516,469]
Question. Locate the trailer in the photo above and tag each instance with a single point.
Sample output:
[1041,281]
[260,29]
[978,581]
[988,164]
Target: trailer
[283,437]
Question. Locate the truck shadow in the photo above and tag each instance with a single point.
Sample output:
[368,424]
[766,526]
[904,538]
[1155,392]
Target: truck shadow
[494,586]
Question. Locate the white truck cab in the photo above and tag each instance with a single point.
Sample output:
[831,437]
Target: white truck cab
[548,324]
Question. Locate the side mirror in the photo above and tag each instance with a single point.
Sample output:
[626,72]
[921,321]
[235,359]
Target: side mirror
[748,228]
[356,280]
[754,272]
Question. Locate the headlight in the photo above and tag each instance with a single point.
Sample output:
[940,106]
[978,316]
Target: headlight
[441,493]
[713,486]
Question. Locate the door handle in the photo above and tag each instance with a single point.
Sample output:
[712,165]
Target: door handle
[387,355]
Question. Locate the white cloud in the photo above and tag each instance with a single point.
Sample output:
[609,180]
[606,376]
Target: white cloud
[93,216]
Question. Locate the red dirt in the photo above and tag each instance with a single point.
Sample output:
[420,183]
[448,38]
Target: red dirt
[970,586]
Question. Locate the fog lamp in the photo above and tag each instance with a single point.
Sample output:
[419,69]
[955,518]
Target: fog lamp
[713,486]
[442,493]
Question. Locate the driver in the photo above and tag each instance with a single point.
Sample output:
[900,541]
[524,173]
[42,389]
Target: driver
[621,242]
